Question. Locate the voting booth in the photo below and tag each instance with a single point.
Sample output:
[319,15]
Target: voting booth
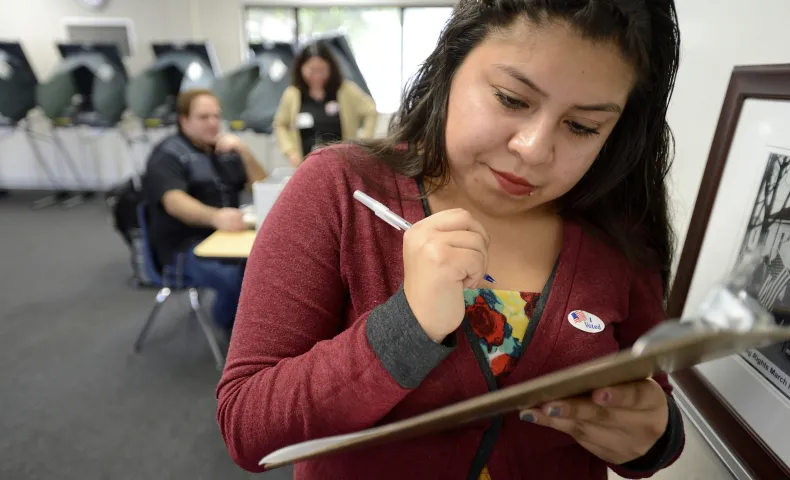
[86,88]
[17,84]
[18,96]
[152,94]
[17,88]
[251,94]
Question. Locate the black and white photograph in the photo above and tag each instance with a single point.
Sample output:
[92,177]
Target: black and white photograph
[768,234]
[743,207]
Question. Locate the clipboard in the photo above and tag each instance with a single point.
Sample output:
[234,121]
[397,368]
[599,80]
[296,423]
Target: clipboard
[731,321]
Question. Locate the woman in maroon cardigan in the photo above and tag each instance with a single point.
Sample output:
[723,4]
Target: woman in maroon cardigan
[532,146]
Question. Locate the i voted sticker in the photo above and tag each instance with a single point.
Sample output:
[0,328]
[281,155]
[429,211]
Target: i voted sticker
[586,321]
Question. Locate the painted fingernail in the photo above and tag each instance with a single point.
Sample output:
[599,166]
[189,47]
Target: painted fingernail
[555,411]
[527,417]
[606,397]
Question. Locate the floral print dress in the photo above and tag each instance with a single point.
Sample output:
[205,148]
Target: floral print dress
[500,321]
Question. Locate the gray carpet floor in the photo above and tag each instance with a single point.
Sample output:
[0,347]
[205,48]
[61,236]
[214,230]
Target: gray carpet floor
[75,401]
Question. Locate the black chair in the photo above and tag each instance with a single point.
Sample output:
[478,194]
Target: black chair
[169,283]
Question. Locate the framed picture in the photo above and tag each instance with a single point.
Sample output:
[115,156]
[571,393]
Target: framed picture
[743,205]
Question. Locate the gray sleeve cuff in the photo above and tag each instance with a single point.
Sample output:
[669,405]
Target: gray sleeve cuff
[400,343]
[666,448]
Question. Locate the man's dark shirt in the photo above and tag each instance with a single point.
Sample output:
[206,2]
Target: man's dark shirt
[177,164]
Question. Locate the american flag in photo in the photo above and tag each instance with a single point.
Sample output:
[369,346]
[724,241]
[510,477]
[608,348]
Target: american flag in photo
[578,316]
[775,283]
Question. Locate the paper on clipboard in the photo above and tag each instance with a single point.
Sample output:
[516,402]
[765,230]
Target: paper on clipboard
[671,346]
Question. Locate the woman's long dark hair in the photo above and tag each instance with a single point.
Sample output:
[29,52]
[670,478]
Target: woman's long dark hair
[624,195]
[316,49]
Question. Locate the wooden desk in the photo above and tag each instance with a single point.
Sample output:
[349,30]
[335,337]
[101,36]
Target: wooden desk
[226,245]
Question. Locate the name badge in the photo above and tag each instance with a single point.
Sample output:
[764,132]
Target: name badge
[304,120]
[332,108]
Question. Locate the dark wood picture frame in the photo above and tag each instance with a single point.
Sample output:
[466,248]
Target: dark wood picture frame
[768,82]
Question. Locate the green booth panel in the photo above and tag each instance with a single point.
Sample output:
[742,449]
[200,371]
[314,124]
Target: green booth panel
[17,82]
[152,94]
[90,75]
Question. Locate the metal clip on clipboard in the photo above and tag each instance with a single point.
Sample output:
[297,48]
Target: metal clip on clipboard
[728,306]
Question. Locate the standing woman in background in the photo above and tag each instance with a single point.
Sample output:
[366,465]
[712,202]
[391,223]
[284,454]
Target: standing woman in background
[320,106]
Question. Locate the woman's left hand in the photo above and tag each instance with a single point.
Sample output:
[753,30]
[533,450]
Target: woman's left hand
[617,424]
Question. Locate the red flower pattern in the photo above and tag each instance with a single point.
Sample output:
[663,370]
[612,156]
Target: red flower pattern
[531,300]
[502,365]
[487,323]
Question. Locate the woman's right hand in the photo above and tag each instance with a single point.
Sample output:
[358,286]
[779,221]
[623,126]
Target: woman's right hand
[442,255]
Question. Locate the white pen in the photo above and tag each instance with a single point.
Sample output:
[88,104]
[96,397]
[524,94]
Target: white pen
[392,218]
[382,212]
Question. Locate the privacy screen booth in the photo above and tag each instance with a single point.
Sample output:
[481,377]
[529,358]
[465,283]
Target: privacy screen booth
[86,88]
[152,95]
[250,94]
[17,84]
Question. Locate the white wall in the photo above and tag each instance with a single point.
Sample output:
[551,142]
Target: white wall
[716,36]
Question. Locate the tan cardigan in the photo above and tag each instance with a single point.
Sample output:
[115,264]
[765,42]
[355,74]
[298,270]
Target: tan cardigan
[357,110]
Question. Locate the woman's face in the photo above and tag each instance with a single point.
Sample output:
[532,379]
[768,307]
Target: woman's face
[529,110]
[315,72]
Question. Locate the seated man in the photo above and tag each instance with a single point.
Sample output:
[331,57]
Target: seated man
[192,186]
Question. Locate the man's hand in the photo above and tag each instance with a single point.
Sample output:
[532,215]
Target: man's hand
[229,143]
[617,424]
[229,220]
[252,168]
